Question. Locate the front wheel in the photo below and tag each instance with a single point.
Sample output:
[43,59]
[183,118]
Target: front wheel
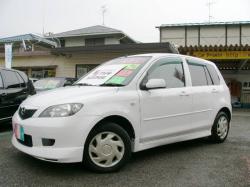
[220,128]
[107,149]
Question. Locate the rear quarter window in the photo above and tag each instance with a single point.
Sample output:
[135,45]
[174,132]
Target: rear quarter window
[24,76]
[21,80]
[214,74]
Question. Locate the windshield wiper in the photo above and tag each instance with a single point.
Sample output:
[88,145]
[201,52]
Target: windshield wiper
[83,84]
[111,84]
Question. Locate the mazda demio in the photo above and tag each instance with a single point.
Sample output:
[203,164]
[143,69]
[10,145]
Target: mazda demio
[125,105]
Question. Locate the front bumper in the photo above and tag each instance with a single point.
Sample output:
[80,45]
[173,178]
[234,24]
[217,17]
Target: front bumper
[63,155]
[69,134]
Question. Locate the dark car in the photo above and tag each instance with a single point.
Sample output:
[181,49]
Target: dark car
[52,83]
[14,88]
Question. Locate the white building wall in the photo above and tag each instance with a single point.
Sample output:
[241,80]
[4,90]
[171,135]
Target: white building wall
[245,34]
[74,41]
[174,35]
[212,35]
[111,40]
[233,35]
[192,36]
[209,35]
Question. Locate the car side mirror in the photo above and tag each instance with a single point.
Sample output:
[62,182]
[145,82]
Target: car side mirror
[155,83]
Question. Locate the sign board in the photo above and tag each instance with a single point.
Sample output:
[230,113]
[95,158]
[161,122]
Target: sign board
[102,74]
[8,55]
[219,55]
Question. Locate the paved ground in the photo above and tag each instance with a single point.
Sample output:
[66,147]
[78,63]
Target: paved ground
[192,163]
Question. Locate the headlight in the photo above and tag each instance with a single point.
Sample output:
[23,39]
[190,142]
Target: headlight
[61,110]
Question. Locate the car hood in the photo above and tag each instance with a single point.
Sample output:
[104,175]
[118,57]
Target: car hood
[67,95]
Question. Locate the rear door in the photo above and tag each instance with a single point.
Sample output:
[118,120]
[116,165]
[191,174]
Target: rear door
[202,86]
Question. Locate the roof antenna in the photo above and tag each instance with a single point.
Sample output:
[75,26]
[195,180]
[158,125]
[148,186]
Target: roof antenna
[43,16]
[209,4]
[104,10]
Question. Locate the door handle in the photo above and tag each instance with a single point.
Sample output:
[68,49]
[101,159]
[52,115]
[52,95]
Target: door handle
[183,93]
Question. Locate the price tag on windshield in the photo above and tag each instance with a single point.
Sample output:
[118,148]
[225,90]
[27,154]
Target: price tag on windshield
[102,74]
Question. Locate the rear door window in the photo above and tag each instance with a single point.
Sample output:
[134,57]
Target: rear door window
[198,75]
[10,79]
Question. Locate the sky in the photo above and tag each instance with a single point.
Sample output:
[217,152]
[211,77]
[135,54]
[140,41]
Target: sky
[137,18]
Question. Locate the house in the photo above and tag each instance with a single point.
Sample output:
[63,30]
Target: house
[74,53]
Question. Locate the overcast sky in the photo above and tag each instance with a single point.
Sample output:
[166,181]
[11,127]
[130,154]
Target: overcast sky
[137,18]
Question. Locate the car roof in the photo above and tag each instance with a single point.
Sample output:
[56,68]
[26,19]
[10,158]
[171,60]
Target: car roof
[159,55]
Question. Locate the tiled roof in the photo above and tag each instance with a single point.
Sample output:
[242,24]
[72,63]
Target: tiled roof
[94,30]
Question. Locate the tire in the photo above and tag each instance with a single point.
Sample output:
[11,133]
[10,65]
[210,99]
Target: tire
[220,128]
[107,148]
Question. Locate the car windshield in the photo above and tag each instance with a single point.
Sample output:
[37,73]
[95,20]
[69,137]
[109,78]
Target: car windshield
[47,84]
[117,72]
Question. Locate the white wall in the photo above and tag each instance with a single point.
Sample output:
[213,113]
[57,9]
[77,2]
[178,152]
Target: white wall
[74,41]
[233,35]
[212,35]
[192,36]
[245,34]
[111,40]
[209,35]
[174,35]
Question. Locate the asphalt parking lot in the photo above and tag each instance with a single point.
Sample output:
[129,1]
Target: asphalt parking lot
[192,163]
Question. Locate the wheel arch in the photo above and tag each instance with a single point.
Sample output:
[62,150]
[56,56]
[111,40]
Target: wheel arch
[119,120]
[227,111]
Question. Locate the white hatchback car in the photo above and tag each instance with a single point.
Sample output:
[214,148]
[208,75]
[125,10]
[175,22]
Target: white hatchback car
[125,105]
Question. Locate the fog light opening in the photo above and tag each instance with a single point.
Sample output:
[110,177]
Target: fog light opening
[48,142]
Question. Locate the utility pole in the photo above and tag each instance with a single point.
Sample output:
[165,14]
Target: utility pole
[104,10]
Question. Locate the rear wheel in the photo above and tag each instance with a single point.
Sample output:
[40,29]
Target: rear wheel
[107,149]
[220,128]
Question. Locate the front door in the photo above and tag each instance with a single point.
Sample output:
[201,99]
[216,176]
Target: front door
[165,112]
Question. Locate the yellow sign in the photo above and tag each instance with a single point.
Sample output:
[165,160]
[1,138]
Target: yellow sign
[218,55]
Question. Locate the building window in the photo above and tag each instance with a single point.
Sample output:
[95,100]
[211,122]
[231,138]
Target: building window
[82,69]
[94,41]
[43,72]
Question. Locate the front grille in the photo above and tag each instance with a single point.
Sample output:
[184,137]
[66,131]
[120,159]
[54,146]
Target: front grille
[26,113]
[27,140]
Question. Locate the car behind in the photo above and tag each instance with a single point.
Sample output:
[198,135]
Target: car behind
[15,87]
